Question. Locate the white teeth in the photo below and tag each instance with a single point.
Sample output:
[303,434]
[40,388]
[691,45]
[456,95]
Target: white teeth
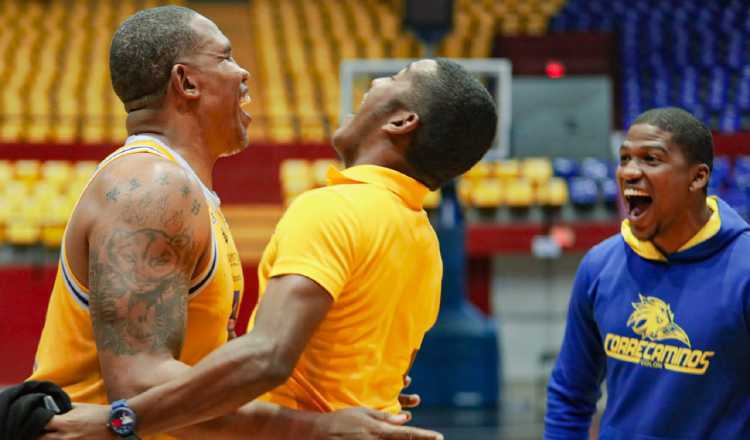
[632,192]
[245,101]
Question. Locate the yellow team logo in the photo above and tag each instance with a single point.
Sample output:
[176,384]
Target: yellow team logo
[653,320]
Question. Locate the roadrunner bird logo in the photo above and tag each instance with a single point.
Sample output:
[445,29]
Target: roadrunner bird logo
[653,319]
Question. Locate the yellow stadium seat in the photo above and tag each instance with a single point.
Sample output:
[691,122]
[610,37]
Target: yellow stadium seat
[464,188]
[21,233]
[64,132]
[290,33]
[432,200]
[537,170]
[43,192]
[16,192]
[84,169]
[507,169]
[32,211]
[525,9]
[282,131]
[56,172]
[23,225]
[500,10]
[54,221]
[27,170]
[38,131]
[58,211]
[74,189]
[510,25]
[520,193]
[312,129]
[320,170]
[51,236]
[5,210]
[296,176]
[536,25]
[479,171]
[487,193]
[553,193]
[6,173]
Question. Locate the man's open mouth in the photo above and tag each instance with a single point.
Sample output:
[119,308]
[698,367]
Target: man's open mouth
[637,202]
[245,100]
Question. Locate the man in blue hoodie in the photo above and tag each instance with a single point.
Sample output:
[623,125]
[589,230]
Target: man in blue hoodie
[662,310]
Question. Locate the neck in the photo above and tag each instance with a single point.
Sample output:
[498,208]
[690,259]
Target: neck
[684,228]
[182,135]
[384,154]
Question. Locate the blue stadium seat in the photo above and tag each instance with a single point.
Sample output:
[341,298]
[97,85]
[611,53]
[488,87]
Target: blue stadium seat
[737,199]
[700,113]
[664,47]
[729,121]
[661,89]
[565,168]
[742,98]
[583,192]
[721,170]
[689,88]
[717,91]
[595,169]
[737,51]
[610,192]
[681,48]
[742,172]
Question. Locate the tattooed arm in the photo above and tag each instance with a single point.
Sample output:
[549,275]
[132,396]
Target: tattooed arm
[146,241]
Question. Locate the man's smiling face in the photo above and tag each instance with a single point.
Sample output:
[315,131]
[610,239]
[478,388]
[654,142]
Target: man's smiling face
[654,177]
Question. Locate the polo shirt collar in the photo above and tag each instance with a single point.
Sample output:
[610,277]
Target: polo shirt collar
[410,190]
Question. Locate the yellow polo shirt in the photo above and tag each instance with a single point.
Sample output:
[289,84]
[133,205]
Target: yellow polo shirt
[366,239]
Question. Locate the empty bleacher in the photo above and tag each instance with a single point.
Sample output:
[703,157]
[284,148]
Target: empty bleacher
[37,197]
[692,54]
[300,45]
[53,64]
[54,58]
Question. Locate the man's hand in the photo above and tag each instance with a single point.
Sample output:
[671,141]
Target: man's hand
[408,400]
[83,422]
[368,424]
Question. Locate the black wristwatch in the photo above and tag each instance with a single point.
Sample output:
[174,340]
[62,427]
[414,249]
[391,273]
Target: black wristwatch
[122,420]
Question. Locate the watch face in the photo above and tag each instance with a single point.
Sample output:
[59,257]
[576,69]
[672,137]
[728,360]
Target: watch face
[123,421]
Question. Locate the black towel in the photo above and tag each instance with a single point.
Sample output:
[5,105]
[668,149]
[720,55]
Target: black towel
[23,414]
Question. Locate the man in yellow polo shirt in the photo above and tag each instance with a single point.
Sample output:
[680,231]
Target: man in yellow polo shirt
[367,242]
[350,281]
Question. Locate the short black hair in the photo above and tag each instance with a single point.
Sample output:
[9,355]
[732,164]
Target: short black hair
[144,49]
[458,120]
[687,131]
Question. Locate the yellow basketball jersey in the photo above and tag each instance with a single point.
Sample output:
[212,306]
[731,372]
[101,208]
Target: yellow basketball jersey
[66,354]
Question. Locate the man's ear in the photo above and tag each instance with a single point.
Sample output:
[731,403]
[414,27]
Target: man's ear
[184,82]
[401,122]
[701,175]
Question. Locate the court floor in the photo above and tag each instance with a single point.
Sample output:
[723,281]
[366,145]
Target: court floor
[460,424]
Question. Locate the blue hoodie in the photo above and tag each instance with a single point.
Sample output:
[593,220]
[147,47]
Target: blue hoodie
[671,335]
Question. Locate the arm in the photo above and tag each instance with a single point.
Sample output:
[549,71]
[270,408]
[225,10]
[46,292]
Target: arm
[148,230]
[144,245]
[258,420]
[244,368]
[574,386]
[315,249]
[265,421]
